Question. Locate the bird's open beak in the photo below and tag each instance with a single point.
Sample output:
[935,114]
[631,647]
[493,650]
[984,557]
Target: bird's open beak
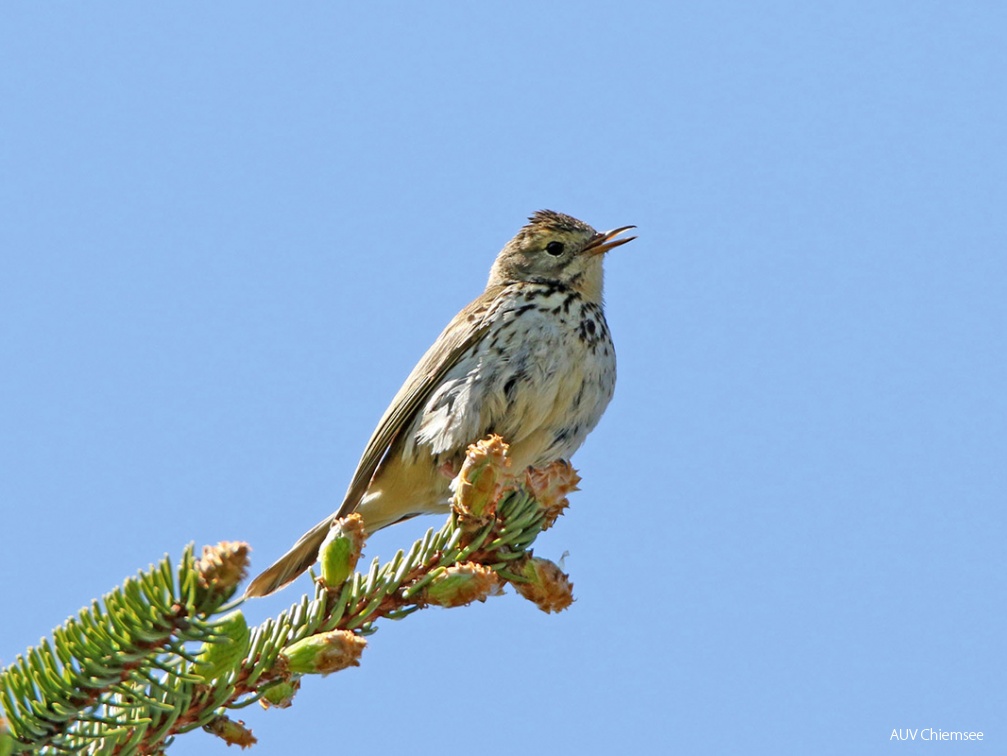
[602,243]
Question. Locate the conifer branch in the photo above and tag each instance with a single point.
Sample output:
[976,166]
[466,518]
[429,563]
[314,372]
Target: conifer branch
[166,653]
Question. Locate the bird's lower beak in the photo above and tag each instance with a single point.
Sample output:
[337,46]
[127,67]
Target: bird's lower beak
[603,242]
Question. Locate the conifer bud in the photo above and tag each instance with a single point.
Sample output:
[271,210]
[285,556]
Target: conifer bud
[280,695]
[484,476]
[324,653]
[220,569]
[462,584]
[550,487]
[341,549]
[544,584]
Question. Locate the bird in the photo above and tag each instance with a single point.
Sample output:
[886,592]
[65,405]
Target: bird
[531,359]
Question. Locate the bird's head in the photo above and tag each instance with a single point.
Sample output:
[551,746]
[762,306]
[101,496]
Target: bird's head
[555,248]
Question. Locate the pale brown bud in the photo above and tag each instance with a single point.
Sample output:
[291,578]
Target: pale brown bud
[462,584]
[484,476]
[230,731]
[545,584]
[550,487]
[324,653]
[222,567]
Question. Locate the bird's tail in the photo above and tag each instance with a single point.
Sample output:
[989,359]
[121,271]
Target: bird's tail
[301,556]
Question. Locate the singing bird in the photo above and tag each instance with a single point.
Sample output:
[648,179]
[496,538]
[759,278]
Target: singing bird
[531,359]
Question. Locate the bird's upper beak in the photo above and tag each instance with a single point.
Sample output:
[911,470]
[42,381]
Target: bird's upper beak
[603,242]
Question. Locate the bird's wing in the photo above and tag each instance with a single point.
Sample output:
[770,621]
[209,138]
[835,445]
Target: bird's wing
[461,334]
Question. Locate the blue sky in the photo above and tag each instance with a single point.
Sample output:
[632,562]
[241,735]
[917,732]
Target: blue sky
[228,233]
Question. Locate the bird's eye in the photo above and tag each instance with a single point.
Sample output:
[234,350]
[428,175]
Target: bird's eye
[554,248]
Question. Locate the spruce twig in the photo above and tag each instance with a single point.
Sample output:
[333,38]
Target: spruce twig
[166,653]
